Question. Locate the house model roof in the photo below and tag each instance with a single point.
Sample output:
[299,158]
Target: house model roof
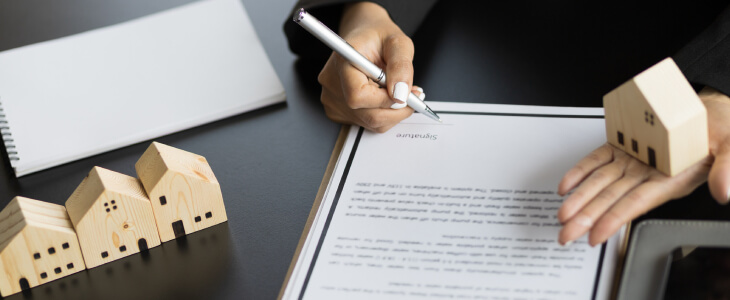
[159,160]
[98,181]
[672,106]
[22,212]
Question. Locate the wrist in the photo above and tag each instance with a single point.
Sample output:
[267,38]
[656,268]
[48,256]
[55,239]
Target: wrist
[362,14]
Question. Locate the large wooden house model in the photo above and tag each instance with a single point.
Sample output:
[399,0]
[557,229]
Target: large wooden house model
[113,217]
[185,195]
[658,118]
[37,245]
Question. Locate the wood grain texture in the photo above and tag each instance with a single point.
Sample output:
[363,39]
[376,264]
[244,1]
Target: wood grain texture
[658,112]
[182,189]
[111,214]
[37,244]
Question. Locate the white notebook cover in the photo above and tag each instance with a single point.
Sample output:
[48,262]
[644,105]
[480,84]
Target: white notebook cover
[85,94]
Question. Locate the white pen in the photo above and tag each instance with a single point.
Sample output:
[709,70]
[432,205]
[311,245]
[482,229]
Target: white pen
[339,45]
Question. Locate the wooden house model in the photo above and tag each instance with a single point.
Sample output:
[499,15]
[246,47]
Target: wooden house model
[112,216]
[658,118]
[37,245]
[185,195]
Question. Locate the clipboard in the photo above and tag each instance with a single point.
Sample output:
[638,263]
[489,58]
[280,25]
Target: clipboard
[334,157]
[619,247]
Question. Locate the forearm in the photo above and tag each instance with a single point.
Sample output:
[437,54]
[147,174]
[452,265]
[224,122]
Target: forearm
[361,14]
[705,61]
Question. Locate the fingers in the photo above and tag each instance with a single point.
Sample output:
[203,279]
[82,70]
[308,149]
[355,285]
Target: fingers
[359,91]
[414,90]
[640,189]
[594,185]
[604,217]
[654,192]
[374,119]
[604,186]
[718,114]
[584,167]
[381,120]
[398,57]
[350,97]
[418,91]
[634,204]
[719,178]
[583,218]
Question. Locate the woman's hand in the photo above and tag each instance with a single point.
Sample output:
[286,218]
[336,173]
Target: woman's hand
[612,188]
[348,95]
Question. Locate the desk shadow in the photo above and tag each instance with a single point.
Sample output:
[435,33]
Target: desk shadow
[187,268]
[308,71]
[7,174]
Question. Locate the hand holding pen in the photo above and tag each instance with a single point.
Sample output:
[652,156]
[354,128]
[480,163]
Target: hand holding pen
[348,94]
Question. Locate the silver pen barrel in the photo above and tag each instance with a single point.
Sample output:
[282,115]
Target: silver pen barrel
[339,45]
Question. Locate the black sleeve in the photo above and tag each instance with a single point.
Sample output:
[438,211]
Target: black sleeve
[408,14]
[706,60]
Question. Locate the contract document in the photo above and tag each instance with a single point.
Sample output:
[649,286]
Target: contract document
[466,209]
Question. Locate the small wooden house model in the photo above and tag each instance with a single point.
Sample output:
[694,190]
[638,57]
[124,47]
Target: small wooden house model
[113,217]
[658,118]
[37,245]
[185,195]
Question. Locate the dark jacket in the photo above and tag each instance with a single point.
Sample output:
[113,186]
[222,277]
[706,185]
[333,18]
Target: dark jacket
[705,60]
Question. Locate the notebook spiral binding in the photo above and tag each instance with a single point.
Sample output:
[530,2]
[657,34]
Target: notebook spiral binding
[7,137]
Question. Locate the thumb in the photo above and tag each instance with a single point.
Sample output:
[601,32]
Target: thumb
[719,178]
[718,114]
[398,57]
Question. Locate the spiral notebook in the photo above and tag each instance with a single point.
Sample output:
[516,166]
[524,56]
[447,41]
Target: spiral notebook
[92,92]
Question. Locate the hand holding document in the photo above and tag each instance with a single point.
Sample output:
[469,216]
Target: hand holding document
[469,212]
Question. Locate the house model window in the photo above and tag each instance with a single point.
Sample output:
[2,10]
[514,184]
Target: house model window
[189,195]
[102,208]
[658,111]
[37,245]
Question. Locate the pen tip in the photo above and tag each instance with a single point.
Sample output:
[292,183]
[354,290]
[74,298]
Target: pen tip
[299,15]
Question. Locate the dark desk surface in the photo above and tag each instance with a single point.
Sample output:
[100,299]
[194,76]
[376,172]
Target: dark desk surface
[270,162]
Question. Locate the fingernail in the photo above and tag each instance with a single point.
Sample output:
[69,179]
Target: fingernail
[398,105]
[419,89]
[401,91]
[583,221]
[422,96]
[568,243]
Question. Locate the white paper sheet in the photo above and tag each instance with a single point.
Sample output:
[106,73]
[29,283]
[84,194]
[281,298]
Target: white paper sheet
[96,91]
[460,210]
